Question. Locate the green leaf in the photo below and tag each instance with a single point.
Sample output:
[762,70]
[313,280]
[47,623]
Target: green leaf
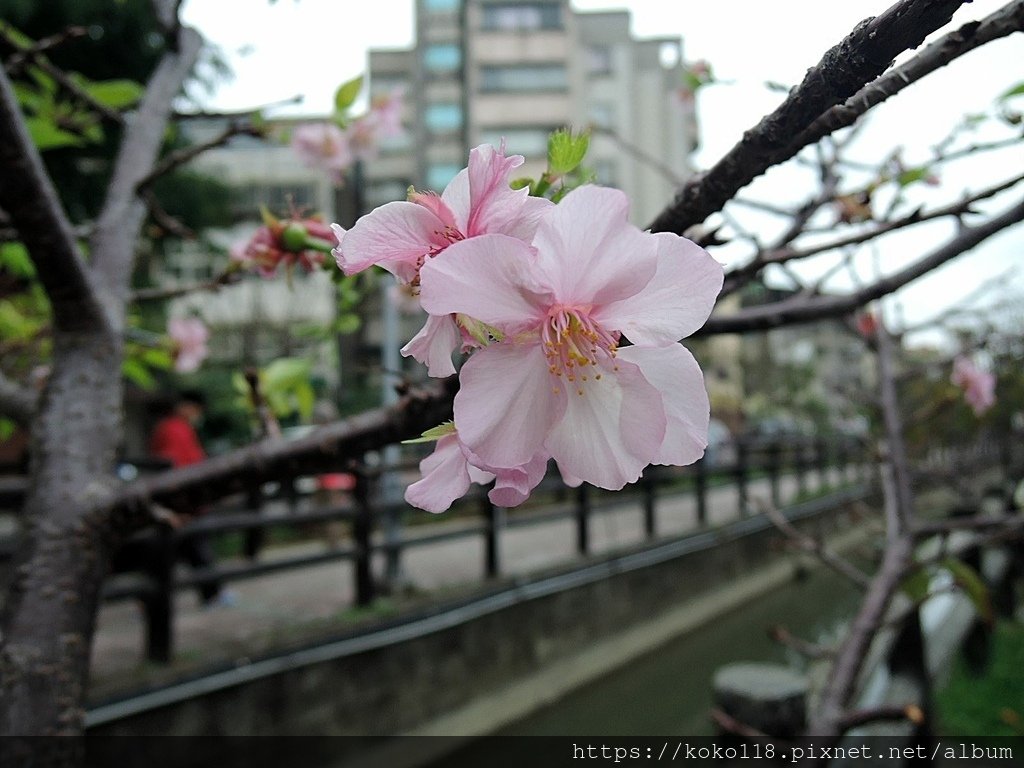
[347,323]
[14,259]
[566,151]
[347,93]
[116,94]
[521,183]
[7,428]
[912,175]
[433,434]
[46,135]
[1017,90]
[137,372]
[157,358]
[916,584]
[973,586]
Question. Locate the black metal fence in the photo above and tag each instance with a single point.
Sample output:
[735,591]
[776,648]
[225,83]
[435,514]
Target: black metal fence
[787,470]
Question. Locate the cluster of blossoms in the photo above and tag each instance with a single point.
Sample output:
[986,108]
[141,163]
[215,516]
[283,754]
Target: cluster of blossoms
[979,386]
[188,337]
[545,297]
[288,242]
[327,146]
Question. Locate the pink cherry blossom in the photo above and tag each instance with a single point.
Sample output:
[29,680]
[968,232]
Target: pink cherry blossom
[325,146]
[269,245]
[387,112]
[400,237]
[189,335]
[979,386]
[449,470]
[560,384]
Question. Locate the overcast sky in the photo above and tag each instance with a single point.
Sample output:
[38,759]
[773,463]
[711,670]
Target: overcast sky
[309,46]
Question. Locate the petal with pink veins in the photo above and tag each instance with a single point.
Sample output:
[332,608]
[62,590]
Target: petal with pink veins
[445,477]
[434,344]
[397,236]
[675,373]
[612,431]
[590,252]
[491,278]
[506,403]
[675,303]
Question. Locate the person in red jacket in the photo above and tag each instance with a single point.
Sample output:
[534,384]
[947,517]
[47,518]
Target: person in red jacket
[174,439]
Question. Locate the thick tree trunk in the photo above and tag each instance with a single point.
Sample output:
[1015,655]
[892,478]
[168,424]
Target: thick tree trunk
[50,612]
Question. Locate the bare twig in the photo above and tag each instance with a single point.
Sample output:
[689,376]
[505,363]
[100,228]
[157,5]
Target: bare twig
[269,427]
[802,310]
[122,210]
[227,276]
[1005,21]
[812,545]
[730,724]
[860,717]
[180,157]
[62,79]
[783,636]
[861,57]
[17,60]
[16,401]
[780,255]
[29,199]
[163,219]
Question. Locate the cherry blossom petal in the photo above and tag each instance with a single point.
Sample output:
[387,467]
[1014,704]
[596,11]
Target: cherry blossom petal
[513,486]
[445,477]
[457,198]
[506,404]
[675,373]
[490,278]
[395,236]
[612,431]
[524,225]
[675,303]
[590,252]
[434,344]
[494,204]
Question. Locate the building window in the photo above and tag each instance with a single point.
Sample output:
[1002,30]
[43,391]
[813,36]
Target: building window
[602,114]
[604,173]
[599,60]
[442,57]
[531,142]
[509,17]
[278,198]
[439,174]
[443,118]
[442,5]
[385,191]
[524,78]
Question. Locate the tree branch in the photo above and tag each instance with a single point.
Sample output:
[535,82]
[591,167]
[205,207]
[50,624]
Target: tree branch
[113,242]
[741,275]
[60,77]
[325,449]
[28,197]
[1005,21]
[17,402]
[804,310]
[861,57]
[180,157]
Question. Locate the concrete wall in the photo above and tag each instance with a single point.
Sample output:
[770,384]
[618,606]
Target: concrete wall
[390,680]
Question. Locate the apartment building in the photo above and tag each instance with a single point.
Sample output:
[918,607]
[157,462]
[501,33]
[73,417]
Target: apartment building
[483,71]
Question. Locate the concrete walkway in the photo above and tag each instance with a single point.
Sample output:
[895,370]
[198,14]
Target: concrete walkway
[289,607]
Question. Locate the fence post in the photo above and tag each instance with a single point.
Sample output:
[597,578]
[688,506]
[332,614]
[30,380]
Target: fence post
[700,485]
[821,455]
[362,533]
[774,450]
[798,459]
[650,487]
[495,517]
[254,537]
[583,519]
[742,456]
[159,605]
